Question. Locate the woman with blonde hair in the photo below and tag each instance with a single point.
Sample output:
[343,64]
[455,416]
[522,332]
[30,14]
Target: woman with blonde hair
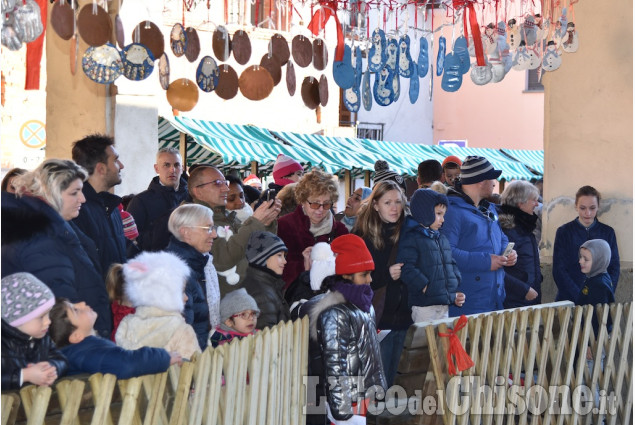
[310,223]
[379,224]
[39,237]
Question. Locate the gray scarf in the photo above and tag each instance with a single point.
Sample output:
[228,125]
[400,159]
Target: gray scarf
[213,292]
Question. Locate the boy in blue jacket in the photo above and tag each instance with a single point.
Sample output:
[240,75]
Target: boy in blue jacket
[72,331]
[428,270]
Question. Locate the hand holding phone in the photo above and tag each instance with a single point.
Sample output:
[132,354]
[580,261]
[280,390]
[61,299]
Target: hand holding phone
[508,249]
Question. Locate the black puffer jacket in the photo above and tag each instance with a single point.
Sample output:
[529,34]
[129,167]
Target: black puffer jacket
[343,345]
[196,309]
[151,209]
[266,288]
[19,349]
[100,220]
[37,240]
[519,227]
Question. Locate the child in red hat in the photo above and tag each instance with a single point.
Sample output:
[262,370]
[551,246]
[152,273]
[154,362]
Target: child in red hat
[343,346]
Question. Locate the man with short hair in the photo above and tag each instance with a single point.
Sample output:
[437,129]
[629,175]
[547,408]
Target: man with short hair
[99,217]
[208,187]
[476,238]
[165,192]
[428,172]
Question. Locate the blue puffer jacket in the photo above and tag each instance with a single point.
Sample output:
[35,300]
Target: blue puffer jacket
[428,261]
[519,227]
[566,269]
[149,209]
[473,238]
[100,220]
[37,240]
[100,355]
[196,311]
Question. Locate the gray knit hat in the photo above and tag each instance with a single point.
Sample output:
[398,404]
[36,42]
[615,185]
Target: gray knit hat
[24,297]
[263,245]
[235,302]
[383,173]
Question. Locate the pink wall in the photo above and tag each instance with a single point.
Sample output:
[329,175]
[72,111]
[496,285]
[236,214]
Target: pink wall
[491,116]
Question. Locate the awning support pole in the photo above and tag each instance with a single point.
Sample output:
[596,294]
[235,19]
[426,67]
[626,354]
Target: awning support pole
[254,167]
[347,183]
[367,178]
[183,148]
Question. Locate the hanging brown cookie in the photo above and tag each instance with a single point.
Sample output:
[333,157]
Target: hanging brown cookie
[193,47]
[94,28]
[279,48]
[291,78]
[241,47]
[255,83]
[320,54]
[310,92]
[323,87]
[221,43]
[271,64]
[302,50]
[227,82]
[182,94]
[164,71]
[62,18]
[149,34]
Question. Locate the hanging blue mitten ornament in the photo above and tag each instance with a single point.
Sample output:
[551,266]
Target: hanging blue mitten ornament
[423,63]
[440,56]
[343,72]
[377,52]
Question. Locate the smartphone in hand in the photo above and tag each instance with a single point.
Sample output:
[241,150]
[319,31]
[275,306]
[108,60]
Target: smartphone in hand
[508,249]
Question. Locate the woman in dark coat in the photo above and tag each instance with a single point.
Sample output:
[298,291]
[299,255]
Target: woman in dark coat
[38,237]
[193,232]
[518,221]
[379,223]
[311,222]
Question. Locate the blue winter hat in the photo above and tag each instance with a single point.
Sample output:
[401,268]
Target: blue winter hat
[366,191]
[422,205]
[476,169]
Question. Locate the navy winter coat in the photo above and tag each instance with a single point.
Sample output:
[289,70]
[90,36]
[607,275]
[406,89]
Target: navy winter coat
[474,238]
[196,310]
[597,290]
[37,240]
[19,349]
[148,209]
[266,288]
[428,262]
[566,269]
[99,219]
[100,355]
[519,227]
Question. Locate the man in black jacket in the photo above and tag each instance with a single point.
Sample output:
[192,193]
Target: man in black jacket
[99,217]
[165,192]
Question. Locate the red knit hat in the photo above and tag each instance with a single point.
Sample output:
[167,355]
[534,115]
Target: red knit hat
[351,255]
[453,159]
[283,167]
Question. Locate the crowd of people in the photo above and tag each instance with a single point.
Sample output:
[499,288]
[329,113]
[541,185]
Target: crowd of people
[129,287]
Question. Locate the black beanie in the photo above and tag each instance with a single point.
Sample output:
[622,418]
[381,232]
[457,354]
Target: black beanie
[422,205]
[263,245]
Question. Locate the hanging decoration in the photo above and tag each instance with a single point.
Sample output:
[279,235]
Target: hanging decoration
[456,350]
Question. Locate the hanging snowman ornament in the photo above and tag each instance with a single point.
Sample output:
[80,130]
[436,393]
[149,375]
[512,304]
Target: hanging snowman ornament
[528,34]
[551,59]
[570,40]
[513,34]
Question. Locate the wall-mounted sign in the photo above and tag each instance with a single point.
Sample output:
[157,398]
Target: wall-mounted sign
[33,134]
[453,143]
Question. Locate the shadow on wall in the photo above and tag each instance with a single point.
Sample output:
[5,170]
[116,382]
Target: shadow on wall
[624,287]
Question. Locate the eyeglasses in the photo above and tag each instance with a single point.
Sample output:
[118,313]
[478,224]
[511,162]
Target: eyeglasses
[317,205]
[217,183]
[247,315]
[209,229]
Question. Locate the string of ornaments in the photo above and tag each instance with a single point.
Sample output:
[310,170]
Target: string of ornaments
[525,41]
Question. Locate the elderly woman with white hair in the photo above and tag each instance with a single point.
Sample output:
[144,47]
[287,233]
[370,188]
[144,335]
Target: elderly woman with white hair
[39,237]
[193,233]
[518,221]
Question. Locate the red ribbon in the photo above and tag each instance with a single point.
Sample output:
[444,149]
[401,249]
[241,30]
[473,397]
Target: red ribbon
[34,51]
[320,18]
[463,360]
[476,29]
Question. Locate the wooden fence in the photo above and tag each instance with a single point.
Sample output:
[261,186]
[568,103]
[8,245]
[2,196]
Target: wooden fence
[530,367]
[257,380]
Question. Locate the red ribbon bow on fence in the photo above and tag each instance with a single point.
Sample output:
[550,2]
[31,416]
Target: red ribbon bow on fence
[320,18]
[463,360]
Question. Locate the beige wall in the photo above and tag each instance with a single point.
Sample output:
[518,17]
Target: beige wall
[589,124]
[497,115]
[75,105]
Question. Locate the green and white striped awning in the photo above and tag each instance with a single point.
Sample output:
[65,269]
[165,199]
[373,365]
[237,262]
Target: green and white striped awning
[231,146]
[535,160]
[512,169]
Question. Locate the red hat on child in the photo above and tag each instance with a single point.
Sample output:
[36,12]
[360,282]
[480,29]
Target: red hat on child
[451,159]
[284,166]
[351,255]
